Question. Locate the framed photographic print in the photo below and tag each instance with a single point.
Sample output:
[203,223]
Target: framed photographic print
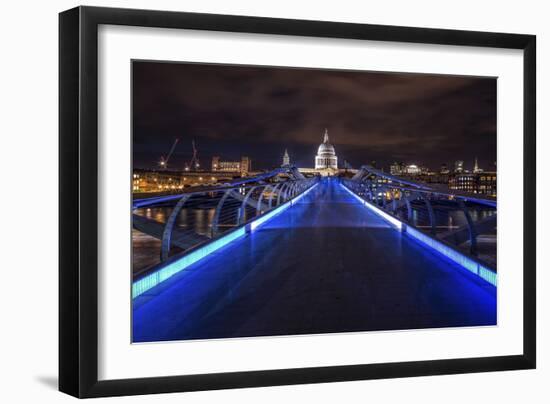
[251,201]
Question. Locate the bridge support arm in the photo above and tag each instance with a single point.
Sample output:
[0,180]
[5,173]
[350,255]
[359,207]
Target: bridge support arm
[430,213]
[169,227]
[409,207]
[471,227]
[282,192]
[273,192]
[259,205]
[240,218]
[215,221]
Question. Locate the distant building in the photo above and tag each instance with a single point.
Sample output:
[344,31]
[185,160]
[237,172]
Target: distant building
[437,178]
[326,162]
[286,159]
[484,183]
[459,166]
[397,168]
[165,181]
[246,166]
[326,155]
[243,166]
[444,169]
[413,169]
[476,167]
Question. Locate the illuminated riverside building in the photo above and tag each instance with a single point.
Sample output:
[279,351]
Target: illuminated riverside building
[397,168]
[147,181]
[484,183]
[164,181]
[476,181]
[411,170]
[243,166]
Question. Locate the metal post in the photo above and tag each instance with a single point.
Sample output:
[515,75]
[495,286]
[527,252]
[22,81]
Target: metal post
[240,217]
[259,204]
[169,227]
[409,207]
[285,185]
[471,227]
[430,213]
[273,192]
[292,192]
[384,202]
[218,211]
[280,193]
[288,191]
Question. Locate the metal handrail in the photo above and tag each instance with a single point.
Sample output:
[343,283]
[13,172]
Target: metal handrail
[291,171]
[366,173]
[421,204]
[230,207]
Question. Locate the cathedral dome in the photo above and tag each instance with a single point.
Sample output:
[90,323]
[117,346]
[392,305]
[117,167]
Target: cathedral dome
[326,155]
[326,149]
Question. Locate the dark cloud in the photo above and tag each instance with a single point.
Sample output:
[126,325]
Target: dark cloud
[259,111]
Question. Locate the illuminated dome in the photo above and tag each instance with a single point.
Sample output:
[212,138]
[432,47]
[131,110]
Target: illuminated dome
[326,155]
[326,149]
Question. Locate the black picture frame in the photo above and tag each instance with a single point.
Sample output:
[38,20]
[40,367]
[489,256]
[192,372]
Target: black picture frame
[78,195]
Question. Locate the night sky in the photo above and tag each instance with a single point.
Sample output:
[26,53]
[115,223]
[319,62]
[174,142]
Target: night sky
[259,111]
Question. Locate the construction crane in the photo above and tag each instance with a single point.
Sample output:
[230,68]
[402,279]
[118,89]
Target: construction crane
[163,163]
[194,163]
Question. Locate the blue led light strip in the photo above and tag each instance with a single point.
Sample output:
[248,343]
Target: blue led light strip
[395,222]
[160,275]
[144,284]
[475,267]
[279,209]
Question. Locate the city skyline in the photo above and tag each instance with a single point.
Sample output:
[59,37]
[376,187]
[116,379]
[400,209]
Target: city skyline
[234,111]
[207,163]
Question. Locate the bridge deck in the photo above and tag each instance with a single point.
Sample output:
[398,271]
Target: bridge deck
[327,264]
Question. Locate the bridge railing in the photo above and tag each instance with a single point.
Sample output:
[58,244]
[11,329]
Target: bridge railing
[465,222]
[196,218]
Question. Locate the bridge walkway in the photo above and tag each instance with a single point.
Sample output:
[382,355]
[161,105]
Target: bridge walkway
[326,264]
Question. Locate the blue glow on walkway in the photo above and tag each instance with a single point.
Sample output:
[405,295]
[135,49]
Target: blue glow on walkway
[395,222]
[279,209]
[465,262]
[171,268]
[326,265]
[471,265]
[153,279]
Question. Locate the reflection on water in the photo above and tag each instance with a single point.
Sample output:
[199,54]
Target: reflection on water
[447,219]
[200,220]
[197,219]
[160,214]
[146,249]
